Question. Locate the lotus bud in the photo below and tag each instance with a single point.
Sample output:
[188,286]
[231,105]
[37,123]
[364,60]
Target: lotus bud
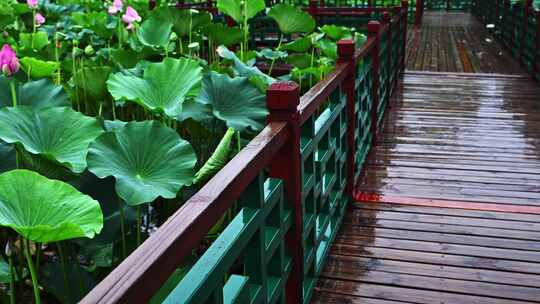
[32,3]
[77,52]
[131,16]
[39,19]
[89,50]
[116,7]
[9,64]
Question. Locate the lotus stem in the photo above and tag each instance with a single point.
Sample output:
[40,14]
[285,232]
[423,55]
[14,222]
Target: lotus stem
[13,93]
[33,273]
[138,225]
[38,256]
[238,141]
[64,271]
[11,277]
[122,229]
[274,59]
[57,58]
[33,27]
[113,105]
[74,68]
[245,30]
[119,33]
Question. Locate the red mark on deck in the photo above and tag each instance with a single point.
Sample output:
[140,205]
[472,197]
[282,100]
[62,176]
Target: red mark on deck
[366,197]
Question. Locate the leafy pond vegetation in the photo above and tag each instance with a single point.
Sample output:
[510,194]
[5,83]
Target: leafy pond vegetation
[112,115]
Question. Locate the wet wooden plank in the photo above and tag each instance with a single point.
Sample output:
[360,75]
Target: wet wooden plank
[448,204]
[351,267]
[409,295]
[457,42]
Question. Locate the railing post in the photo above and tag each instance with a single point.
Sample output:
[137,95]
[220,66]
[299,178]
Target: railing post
[313,10]
[405,6]
[374,28]
[419,12]
[346,55]
[282,99]
[387,20]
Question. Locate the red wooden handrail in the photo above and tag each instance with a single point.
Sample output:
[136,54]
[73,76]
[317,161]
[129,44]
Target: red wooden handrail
[276,147]
[140,275]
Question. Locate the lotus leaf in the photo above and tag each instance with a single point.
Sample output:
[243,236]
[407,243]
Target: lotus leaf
[147,159]
[163,88]
[237,9]
[235,101]
[291,19]
[58,134]
[45,210]
[38,94]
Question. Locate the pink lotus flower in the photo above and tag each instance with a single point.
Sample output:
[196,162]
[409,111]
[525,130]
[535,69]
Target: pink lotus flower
[8,60]
[39,19]
[32,3]
[115,7]
[131,16]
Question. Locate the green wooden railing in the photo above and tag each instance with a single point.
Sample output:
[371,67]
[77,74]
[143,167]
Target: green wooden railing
[517,26]
[291,185]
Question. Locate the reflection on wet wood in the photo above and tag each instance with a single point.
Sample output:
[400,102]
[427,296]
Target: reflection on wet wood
[457,42]
[449,201]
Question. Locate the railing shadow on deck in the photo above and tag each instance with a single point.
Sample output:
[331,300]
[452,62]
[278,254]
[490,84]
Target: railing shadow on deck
[292,183]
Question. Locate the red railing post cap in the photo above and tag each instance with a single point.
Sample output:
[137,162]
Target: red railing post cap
[404,3]
[373,26]
[345,48]
[386,17]
[283,95]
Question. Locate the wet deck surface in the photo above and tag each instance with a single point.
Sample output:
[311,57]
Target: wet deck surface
[457,42]
[448,207]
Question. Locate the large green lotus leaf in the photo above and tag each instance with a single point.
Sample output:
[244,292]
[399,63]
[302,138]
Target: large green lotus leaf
[95,21]
[93,80]
[39,68]
[301,61]
[336,32]
[235,8]
[299,45]
[40,40]
[222,34]
[291,19]
[193,109]
[240,68]
[235,101]
[184,20]
[155,32]
[59,134]
[38,94]
[146,158]
[164,85]
[126,59]
[271,54]
[45,210]
[328,48]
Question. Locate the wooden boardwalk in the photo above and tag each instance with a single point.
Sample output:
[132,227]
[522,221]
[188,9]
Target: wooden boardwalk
[448,207]
[457,42]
